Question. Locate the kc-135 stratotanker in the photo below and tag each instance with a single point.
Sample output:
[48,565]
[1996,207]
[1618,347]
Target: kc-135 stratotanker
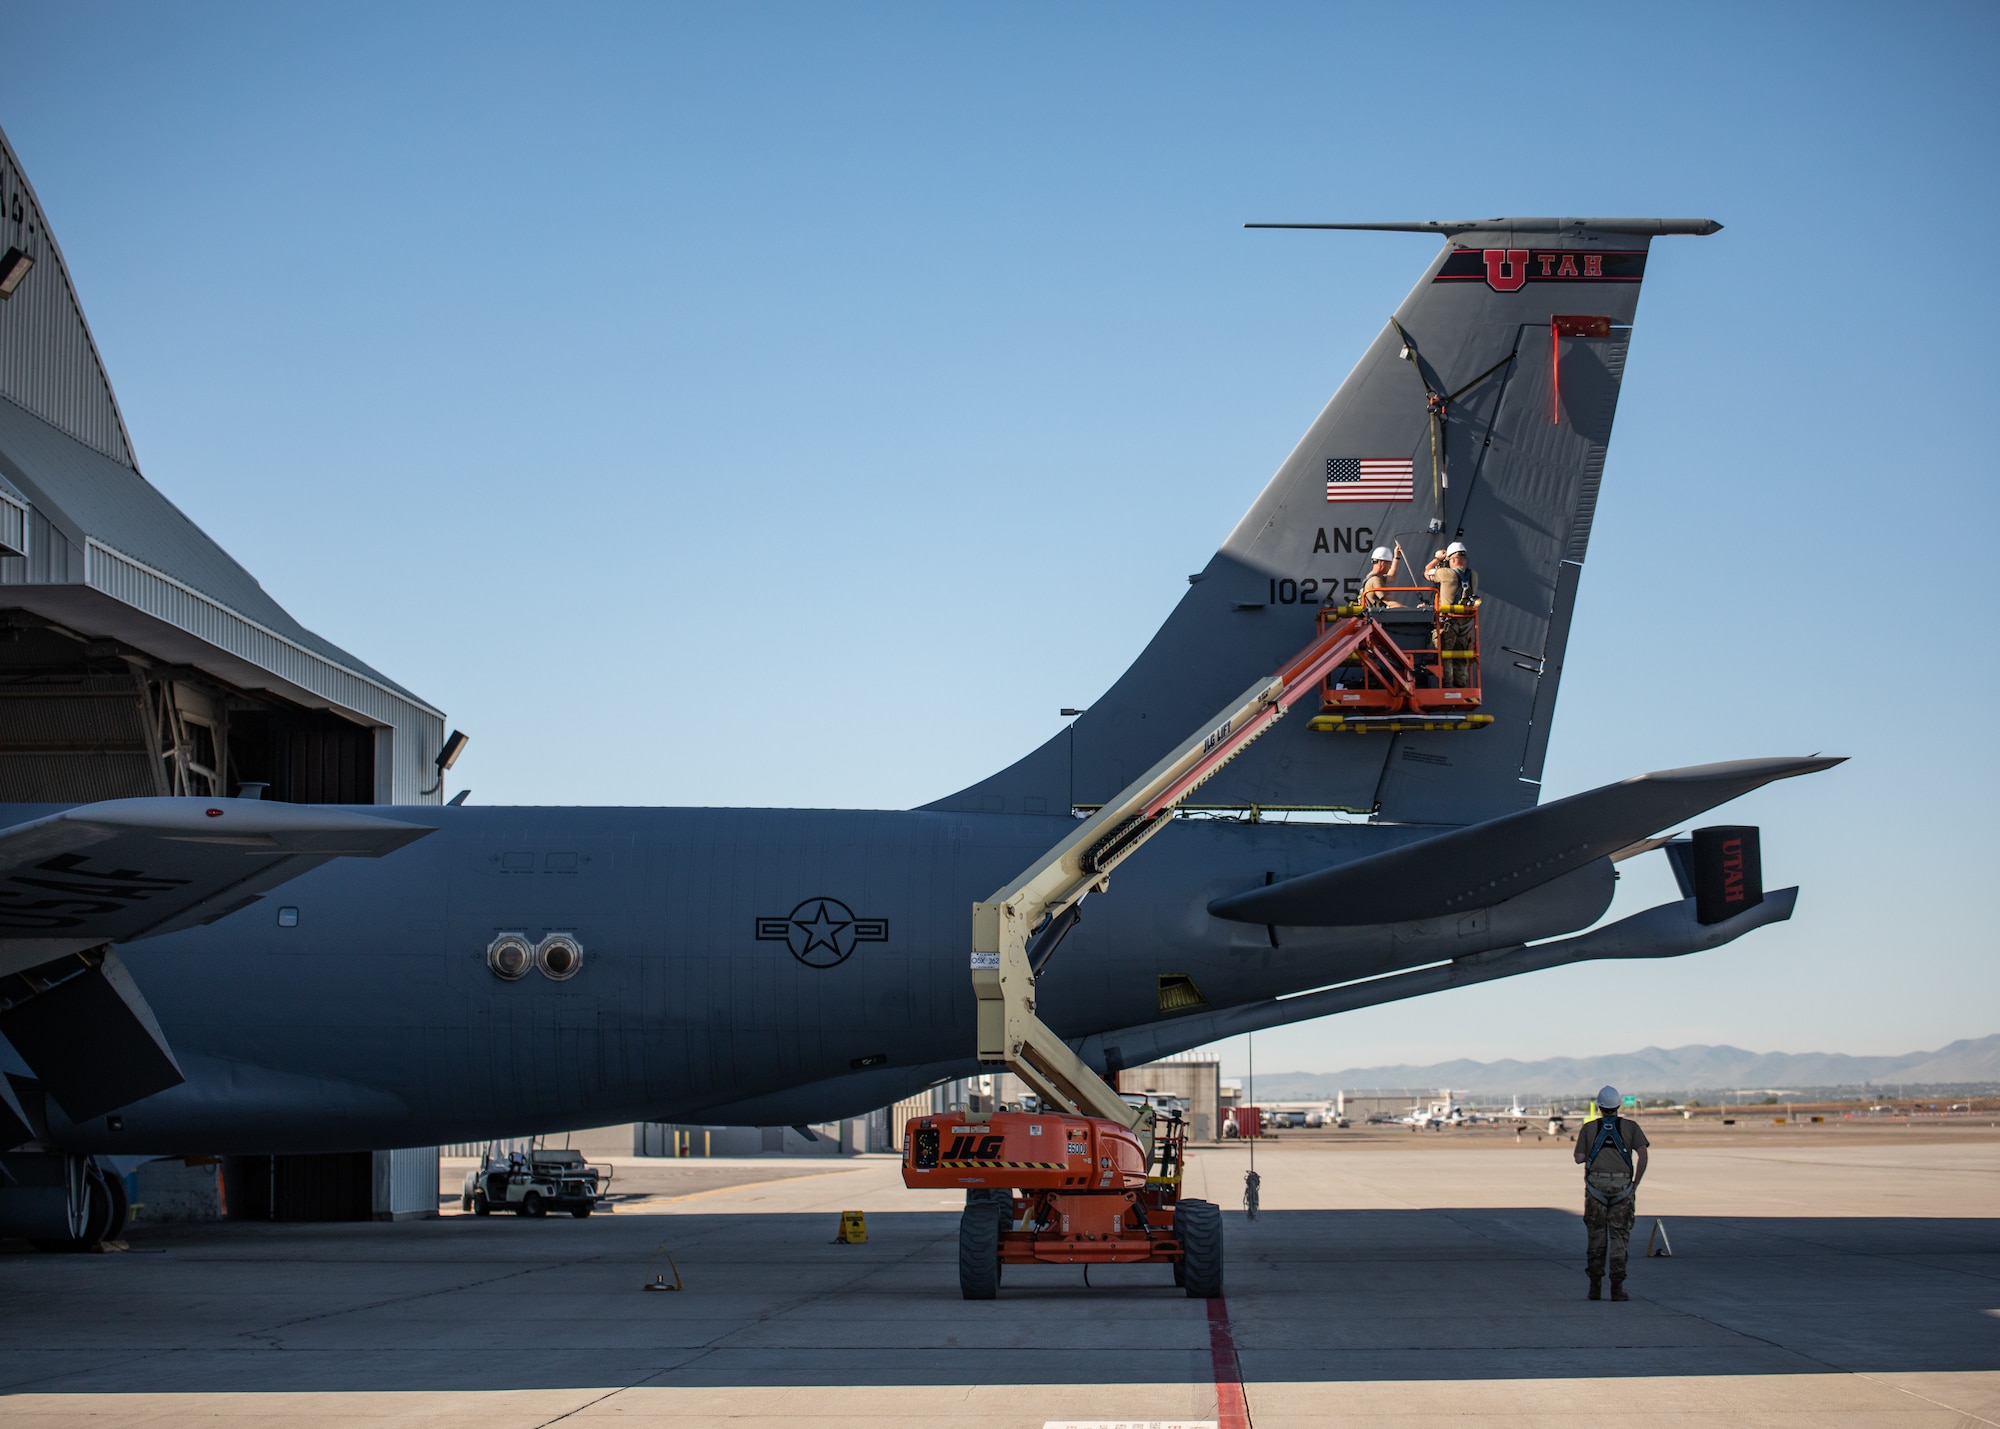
[191,976]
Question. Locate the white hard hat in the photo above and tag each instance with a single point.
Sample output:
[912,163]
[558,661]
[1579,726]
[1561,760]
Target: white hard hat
[1456,548]
[1608,1097]
[1381,553]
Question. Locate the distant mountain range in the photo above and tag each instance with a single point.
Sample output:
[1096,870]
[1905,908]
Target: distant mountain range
[1654,1069]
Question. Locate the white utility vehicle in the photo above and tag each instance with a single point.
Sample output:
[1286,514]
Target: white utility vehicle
[533,1183]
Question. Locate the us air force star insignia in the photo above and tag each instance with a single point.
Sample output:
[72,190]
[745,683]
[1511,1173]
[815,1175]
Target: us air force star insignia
[822,932]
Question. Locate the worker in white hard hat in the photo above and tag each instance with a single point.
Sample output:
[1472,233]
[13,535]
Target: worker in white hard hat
[1382,563]
[1457,585]
[1612,1151]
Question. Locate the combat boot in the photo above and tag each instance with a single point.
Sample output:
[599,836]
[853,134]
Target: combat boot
[1618,1289]
[1596,1287]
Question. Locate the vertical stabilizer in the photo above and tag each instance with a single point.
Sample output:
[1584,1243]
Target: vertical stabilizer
[1481,412]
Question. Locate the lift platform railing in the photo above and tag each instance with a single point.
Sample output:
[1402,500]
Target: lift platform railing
[1384,678]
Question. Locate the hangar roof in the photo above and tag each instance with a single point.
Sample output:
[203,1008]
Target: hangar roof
[87,497]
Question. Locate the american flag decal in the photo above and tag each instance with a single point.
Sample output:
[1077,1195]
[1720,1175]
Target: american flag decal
[1360,478]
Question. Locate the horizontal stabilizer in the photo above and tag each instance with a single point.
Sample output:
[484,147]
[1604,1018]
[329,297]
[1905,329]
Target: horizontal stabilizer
[129,868]
[1670,930]
[1485,863]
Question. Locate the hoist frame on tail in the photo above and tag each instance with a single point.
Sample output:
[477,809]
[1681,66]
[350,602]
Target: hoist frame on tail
[1088,1178]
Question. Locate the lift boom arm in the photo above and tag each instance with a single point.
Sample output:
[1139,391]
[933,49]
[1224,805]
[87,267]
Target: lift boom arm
[1010,1033]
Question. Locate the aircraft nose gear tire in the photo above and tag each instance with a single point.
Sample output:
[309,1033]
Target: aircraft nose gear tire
[979,1251]
[1199,1225]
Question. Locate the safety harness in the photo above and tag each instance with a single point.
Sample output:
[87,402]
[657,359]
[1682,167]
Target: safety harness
[1607,1131]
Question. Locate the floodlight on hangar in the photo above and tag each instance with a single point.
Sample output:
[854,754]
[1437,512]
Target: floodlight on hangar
[447,757]
[13,268]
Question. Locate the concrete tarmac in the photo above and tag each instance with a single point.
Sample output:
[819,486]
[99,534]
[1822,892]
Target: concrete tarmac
[1828,1275]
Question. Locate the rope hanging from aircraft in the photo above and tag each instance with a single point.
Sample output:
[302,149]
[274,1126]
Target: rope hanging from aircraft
[1438,406]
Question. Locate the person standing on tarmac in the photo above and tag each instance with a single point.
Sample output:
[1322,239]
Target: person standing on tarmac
[1384,562]
[1457,585]
[1612,1151]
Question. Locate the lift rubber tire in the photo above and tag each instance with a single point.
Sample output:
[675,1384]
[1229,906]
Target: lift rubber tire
[1199,1226]
[532,1205]
[480,1205]
[979,1251]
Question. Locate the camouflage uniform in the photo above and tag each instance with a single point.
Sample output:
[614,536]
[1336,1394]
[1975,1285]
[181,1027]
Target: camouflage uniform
[1609,1203]
[1455,587]
[1371,592]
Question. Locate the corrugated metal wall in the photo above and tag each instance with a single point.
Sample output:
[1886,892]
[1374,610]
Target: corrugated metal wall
[50,558]
[13,526]
[406,1183]
[48,359]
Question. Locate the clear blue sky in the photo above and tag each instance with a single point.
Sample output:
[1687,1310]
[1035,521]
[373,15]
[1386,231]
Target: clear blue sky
[692,401]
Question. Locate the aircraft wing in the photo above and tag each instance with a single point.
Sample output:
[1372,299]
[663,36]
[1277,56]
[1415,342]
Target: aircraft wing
[113,872]
[1482,864]
[130,868]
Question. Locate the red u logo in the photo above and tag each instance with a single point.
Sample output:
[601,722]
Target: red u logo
[1506,268]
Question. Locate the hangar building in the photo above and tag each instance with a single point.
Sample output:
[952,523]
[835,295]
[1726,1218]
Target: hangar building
[137,657]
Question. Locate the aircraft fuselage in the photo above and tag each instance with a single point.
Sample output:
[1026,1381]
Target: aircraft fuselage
[739,966]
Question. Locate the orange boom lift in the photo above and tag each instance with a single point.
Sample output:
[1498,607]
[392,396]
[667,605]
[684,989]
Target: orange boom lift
[1090,1178]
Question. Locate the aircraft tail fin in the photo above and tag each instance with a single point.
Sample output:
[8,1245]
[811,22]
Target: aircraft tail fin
[1481,412]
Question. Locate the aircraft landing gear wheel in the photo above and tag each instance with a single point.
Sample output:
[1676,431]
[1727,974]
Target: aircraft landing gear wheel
[531,1204]
[106,1208]
[978,1251]
[121,1205]
[1199,1226]
[480,1205]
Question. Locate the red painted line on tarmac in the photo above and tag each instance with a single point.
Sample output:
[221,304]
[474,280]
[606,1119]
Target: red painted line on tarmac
[1232,1410]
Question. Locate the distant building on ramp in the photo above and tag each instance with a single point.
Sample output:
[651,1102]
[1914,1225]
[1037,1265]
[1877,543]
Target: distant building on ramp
[137,657]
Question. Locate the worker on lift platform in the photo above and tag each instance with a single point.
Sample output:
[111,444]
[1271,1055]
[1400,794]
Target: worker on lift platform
[1457,585]
[1373,588]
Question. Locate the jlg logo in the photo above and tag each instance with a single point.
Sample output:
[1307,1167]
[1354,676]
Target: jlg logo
[975,1148]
